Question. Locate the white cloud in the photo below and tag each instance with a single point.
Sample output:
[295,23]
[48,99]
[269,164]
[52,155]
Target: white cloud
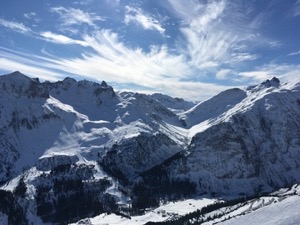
[207,47]
[29,15]
[15,26]
[221,34]
[137,16]
[111,60]
[209,39]
[243,56]
[32,16]
[187,9]
[83,2]
[294,53]
[31,64]
[257,75]
[211,12]
[60,39]
[223,73]
[72,16]
[114,61]
[211,44]
[282,71]
[296,9]
[11,65]
[193,91]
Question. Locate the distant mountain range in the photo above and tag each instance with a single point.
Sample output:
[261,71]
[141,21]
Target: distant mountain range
[72,150]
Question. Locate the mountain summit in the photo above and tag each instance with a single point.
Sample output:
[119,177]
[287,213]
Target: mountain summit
[75,149]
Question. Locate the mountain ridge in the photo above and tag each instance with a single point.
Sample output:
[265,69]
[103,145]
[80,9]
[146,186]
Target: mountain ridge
[141,149]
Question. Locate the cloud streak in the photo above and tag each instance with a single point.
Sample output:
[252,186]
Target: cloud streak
[215,41]
[294,53]
[15,26]
[32,65]
[296,9]
[113,60]
[137,16]
[262,73]
[76,17]
[207,43]
[211,41]
[61,39]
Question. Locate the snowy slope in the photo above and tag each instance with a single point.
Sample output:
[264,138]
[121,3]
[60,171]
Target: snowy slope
[125,152]
[285,212]
[177,105]
[51,126]
[77,116]
[249,145]
[280,207]
[162,213]
[213,107]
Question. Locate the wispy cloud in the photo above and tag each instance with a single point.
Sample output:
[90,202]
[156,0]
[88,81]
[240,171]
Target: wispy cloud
[194,91]
[83,2]
[243,56]
[294,53]
[216,39]
[186,10]
[203,45]
[208,41]
[223,73]
[207,47]
[35,71]
[61,39]
[29,15]
[29,64]
[211,12]
[32,16]
[296,9]
[282,71]
[136,15]
[112,59]
[72,16]
[15,26]
[220,34]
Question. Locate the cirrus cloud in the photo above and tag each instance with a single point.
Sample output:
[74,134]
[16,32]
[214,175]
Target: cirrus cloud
[76,17]
[111,58]
[136,15]
[60,39]
[15,26]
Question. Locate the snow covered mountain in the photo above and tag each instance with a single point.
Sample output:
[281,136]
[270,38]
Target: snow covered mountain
[71,150]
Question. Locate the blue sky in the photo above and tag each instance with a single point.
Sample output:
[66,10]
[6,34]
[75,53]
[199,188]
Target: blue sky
[186,48]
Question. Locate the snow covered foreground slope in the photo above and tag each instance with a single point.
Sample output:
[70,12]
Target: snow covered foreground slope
[278,208]
[71,150]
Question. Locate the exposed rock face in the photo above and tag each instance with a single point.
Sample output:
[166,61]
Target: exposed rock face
[137,155]
[74,140]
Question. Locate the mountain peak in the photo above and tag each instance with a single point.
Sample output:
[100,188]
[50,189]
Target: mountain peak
[274,82]
[22,85]
[17,77]
[103,84]
[16,73]
[69,80]
[275,79]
